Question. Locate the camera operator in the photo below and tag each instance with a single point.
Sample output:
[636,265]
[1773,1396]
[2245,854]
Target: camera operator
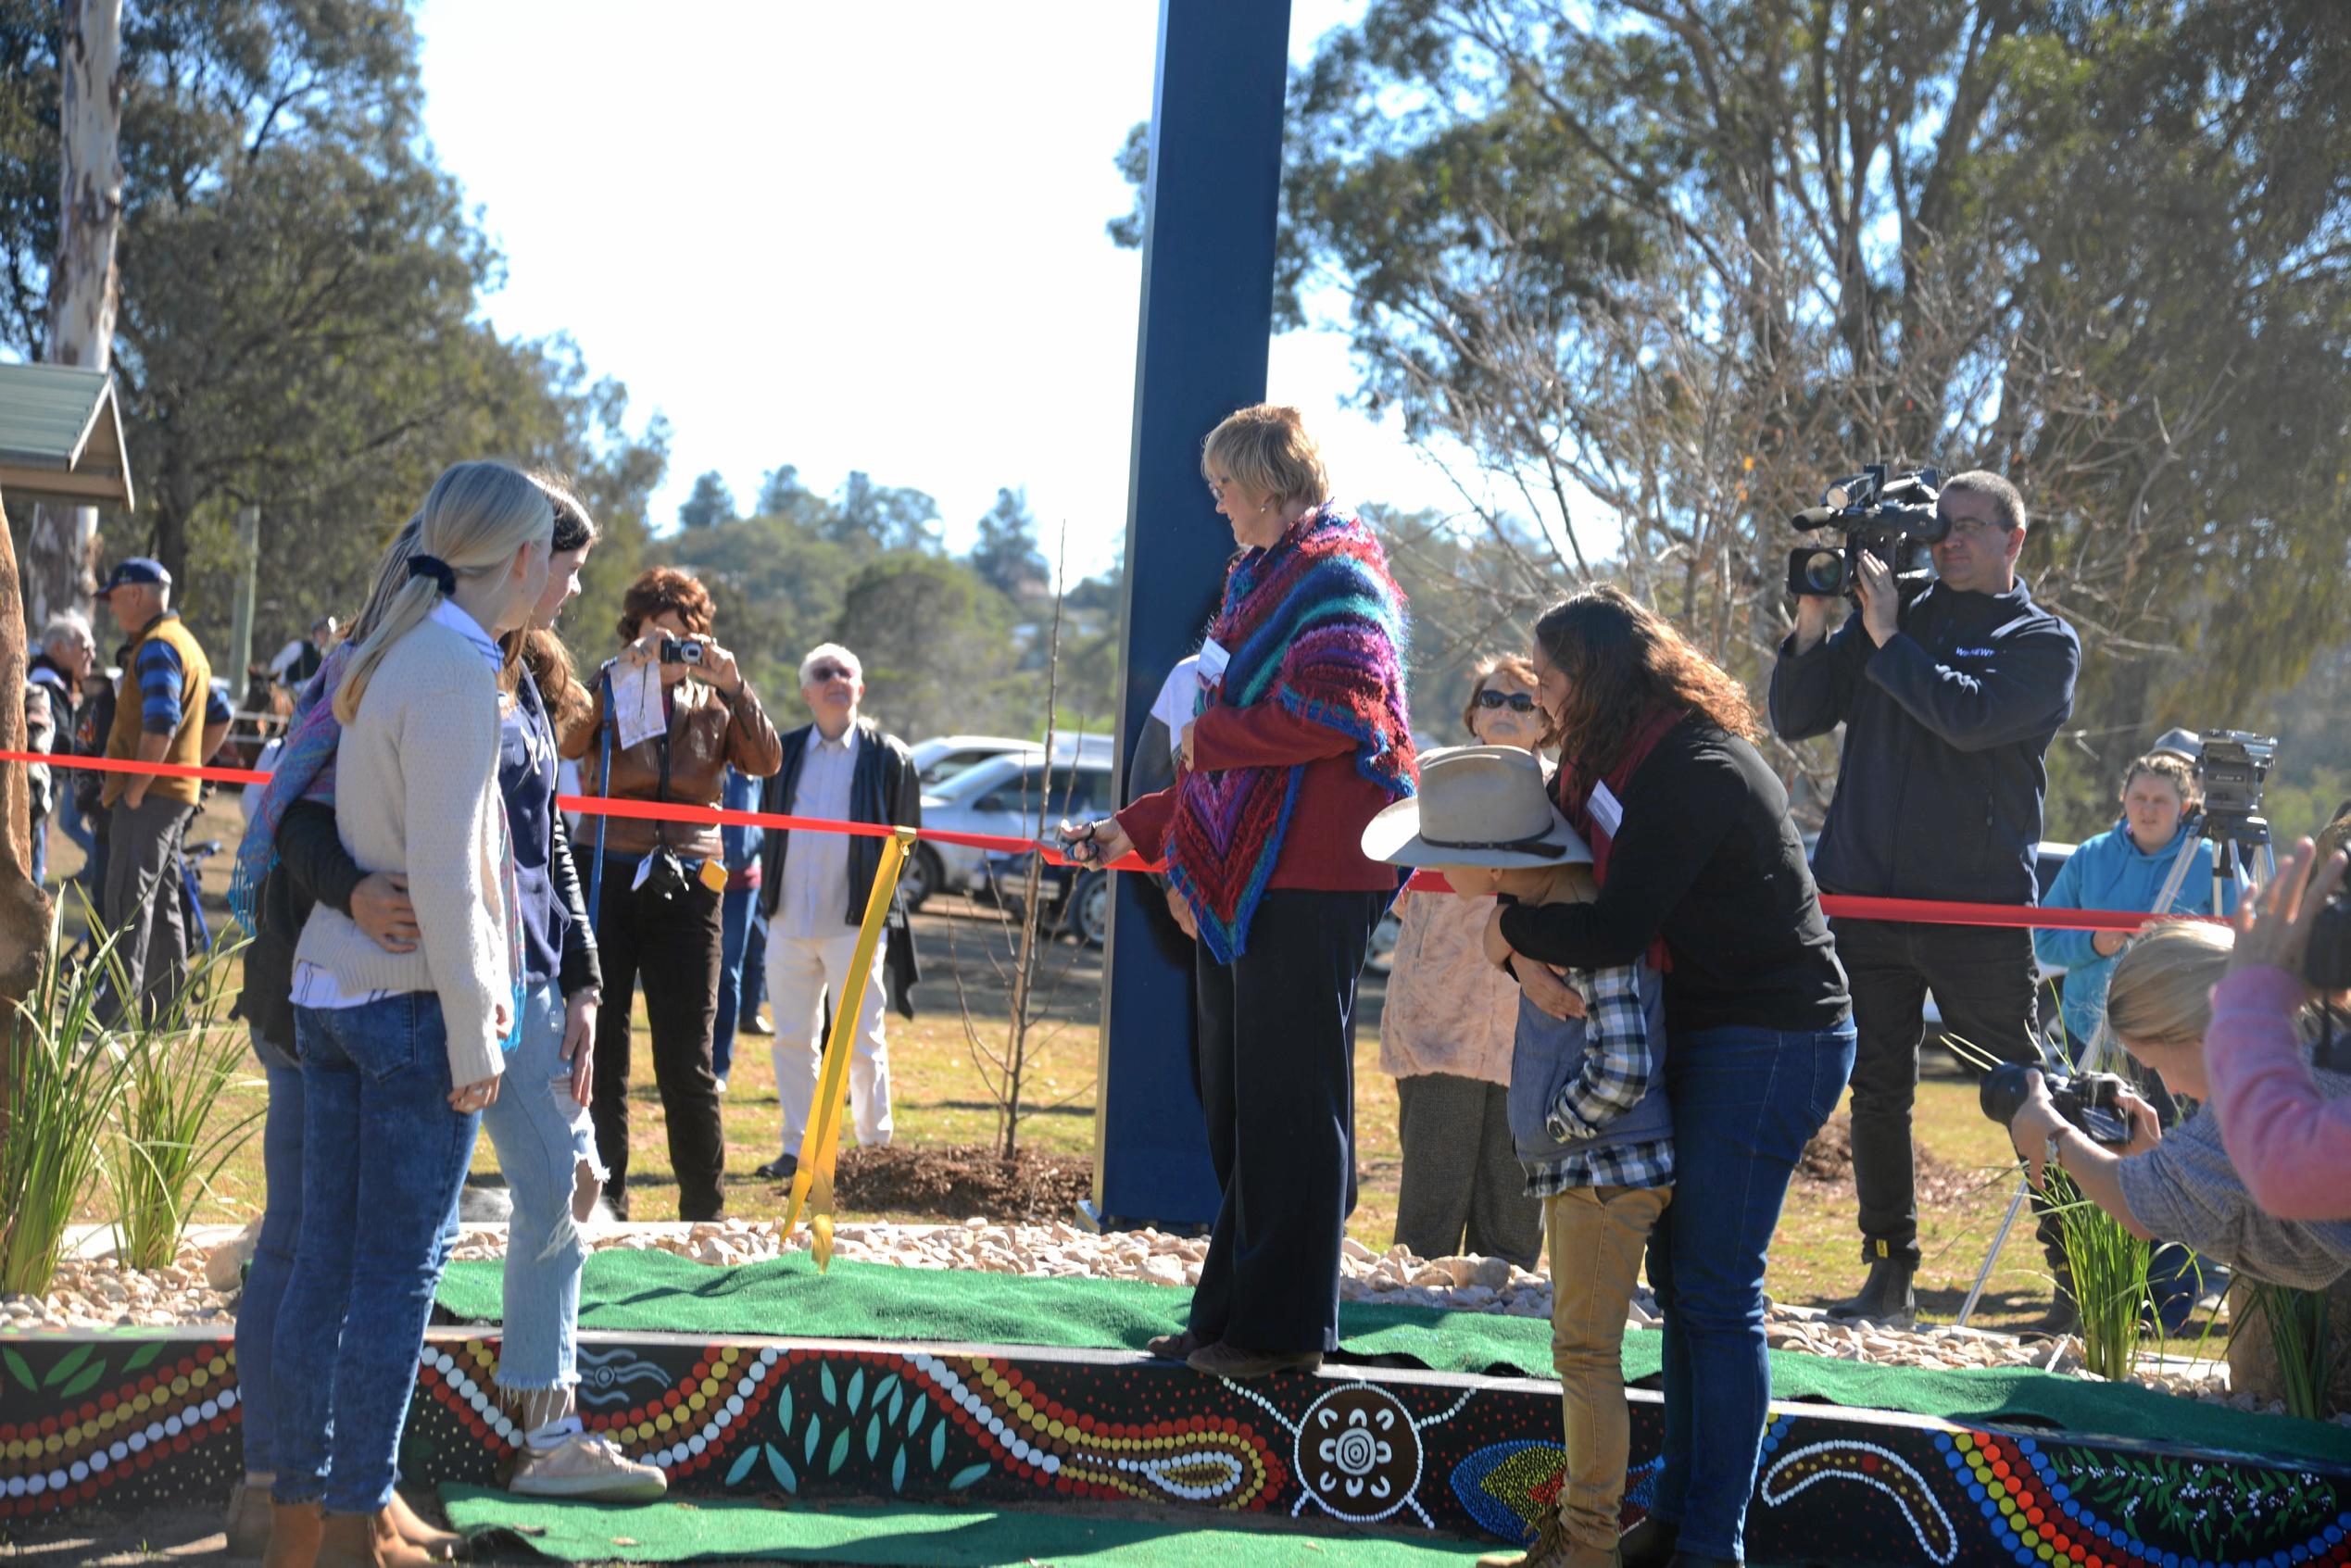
[2179,1186]
[2288,1133]
[1950,693]
[663,883]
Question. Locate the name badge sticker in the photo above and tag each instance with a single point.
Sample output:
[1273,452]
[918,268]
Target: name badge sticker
[1606,811]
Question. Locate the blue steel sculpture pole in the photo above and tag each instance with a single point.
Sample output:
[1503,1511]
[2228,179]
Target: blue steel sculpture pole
[1207,315]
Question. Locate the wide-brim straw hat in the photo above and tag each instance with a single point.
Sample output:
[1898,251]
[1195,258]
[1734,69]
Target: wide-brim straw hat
[1477,806]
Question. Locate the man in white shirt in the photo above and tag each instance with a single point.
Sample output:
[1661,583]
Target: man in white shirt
[814,887]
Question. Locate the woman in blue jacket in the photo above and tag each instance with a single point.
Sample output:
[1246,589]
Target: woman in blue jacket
[2126,868]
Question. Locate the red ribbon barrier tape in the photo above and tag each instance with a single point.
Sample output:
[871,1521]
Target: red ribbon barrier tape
[1923,911]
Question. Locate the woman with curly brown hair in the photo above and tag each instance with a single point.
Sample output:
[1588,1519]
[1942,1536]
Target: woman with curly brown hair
[661,884]
[1701,868]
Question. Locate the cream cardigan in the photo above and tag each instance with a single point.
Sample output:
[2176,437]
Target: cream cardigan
[416,793]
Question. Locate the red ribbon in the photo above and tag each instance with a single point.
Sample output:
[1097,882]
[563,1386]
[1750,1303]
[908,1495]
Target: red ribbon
[1924,911]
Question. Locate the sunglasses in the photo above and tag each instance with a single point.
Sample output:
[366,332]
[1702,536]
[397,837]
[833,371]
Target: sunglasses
[829,672]
[1518,702]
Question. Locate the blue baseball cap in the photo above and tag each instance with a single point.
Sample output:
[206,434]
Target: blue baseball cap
[139,569]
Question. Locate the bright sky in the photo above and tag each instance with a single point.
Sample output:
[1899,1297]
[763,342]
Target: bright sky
[864,236]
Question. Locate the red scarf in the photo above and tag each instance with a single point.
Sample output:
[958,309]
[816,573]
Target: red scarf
[1575,792]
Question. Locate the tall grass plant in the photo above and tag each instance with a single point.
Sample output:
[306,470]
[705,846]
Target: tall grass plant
[67,1075]
[170,1142]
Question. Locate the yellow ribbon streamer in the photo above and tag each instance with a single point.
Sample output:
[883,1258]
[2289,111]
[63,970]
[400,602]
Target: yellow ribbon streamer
[812,1182]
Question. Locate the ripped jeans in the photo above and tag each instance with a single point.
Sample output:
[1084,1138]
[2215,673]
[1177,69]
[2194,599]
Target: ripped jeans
[543,1140]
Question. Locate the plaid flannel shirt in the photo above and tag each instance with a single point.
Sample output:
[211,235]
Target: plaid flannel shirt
[1616,1075]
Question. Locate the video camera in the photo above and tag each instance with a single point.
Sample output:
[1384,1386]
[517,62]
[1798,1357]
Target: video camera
[2092,1101]
[2233,765]
[1889,518]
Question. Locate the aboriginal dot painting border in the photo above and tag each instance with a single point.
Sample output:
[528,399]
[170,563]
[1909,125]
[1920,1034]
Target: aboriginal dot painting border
[156,1418]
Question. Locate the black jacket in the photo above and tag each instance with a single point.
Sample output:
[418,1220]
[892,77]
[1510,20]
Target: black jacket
[885,788]
[1939,788]
[1707,859]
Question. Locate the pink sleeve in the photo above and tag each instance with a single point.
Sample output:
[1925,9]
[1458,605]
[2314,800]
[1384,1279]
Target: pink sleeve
[2292,1146]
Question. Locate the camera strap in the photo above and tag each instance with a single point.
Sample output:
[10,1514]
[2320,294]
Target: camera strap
[604,788]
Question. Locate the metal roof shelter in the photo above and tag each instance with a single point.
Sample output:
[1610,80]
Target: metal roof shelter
[61,437]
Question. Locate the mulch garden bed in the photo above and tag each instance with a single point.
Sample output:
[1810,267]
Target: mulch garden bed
[957,1180]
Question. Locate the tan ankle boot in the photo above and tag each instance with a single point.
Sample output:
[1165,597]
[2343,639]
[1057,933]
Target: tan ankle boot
[248,1526]
[414,1529]
[294,1535]
[367,1540]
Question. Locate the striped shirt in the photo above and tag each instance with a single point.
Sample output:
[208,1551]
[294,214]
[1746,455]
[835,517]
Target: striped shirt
[160,682]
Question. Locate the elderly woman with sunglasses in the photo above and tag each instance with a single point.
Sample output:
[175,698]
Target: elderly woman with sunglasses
[1445,1035]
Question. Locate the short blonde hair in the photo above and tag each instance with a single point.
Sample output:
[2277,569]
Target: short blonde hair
[1264,448]
[2166,765]
[2161,993]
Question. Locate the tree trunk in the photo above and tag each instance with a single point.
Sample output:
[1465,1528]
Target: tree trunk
[24,909]
[82,281]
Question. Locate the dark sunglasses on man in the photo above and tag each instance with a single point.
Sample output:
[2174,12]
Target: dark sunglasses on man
[1518,702]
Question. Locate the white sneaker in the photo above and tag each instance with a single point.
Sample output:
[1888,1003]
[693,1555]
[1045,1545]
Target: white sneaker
[586,1467]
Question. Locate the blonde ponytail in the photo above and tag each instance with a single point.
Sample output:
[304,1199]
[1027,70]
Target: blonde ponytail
[476,517]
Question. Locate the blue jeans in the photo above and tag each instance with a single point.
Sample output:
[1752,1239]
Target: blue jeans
[542,1137]
[382,1158]
[742,983]
[1745,1102]
[272,1266]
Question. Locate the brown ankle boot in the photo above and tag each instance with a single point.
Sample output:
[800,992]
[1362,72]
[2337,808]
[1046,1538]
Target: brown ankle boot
[417,1531]
[367,1540]
[294,1535]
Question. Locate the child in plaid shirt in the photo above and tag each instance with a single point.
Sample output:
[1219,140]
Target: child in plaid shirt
[1587,1109]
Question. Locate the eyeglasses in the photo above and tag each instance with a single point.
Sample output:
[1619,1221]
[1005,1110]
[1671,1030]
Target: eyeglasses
[830,673]
[1975,528]
[1217,489]
[1518,702]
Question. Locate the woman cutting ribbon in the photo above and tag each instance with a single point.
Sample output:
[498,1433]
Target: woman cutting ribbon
[1301,737]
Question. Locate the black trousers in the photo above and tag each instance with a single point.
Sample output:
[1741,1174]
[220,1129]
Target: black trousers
[1983,978]
[1278,1082]
[672,945]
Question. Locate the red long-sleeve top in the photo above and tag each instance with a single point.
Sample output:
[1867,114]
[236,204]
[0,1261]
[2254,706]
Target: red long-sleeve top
[1323,849]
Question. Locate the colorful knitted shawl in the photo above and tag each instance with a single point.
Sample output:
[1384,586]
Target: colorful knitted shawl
[1316,623]
[304,770]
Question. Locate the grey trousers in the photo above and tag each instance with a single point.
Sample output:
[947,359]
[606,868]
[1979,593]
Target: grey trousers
[142,903]
[1462,1176]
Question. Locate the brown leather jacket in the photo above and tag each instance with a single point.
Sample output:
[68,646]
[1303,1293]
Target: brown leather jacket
[707,732]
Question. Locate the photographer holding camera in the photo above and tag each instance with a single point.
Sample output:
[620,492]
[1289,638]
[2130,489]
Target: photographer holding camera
[2179,1186]
[1950,691]
[663,883]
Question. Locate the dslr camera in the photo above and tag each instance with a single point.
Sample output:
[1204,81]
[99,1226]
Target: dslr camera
[1891,519]
[2092,1101]
[681,650]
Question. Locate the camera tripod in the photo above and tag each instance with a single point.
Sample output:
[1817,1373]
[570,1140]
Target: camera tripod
[2242,859]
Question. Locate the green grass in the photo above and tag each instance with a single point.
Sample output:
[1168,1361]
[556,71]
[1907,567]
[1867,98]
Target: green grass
[937,1097]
